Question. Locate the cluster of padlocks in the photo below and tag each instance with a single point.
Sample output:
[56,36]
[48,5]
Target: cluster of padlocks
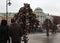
[26,18]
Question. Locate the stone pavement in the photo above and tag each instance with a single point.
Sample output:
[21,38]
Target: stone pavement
[42,38]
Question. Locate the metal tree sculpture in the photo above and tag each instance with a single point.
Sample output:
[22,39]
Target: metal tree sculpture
[26,18]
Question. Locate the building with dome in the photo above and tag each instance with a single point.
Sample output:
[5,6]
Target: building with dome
[41,16]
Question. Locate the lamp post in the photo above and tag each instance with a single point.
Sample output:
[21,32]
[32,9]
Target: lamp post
[7,3]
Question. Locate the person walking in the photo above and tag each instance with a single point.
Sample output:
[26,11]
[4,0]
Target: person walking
[4,32]
[47,25]
[15,32]
[54,29]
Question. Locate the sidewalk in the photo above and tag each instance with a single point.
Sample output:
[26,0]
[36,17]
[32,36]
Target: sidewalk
[42,38]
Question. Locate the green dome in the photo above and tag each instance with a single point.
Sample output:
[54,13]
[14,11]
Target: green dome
[40,9]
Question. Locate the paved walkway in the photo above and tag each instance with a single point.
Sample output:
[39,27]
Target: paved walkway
[42,38]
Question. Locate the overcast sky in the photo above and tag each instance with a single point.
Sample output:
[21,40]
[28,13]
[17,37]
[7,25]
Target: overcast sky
[49,6]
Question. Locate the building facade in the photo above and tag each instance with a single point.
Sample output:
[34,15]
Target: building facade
[41,16]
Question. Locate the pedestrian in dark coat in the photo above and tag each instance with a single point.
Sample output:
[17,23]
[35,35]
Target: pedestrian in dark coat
[4,32]
[15,32]
[47,25]
[54,29]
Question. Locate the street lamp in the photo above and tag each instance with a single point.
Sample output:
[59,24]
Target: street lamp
[7,3]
